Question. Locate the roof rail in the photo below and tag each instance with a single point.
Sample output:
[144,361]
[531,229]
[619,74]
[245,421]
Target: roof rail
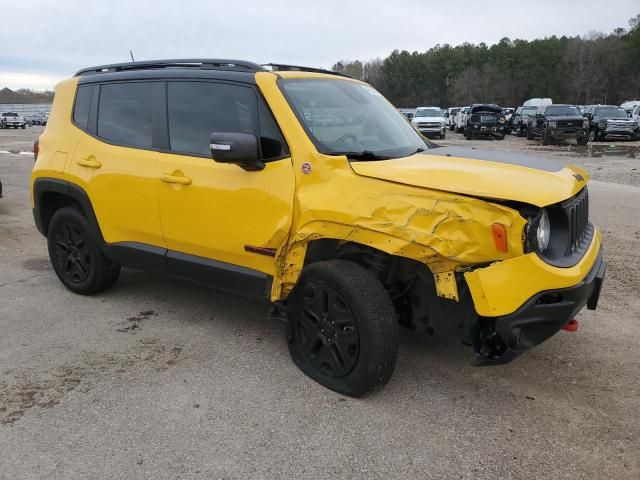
[280,67]
[202,63]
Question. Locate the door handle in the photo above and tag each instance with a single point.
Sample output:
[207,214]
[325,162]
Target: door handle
[165,177]
[89,162]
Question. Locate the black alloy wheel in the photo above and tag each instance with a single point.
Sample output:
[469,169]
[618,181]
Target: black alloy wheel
[75,254]
[327,331]
[342,327]
[72,254]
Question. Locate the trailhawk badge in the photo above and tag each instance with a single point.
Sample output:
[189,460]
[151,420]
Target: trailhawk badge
[306,168]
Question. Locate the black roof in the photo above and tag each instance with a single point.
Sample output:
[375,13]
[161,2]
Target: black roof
[238,70]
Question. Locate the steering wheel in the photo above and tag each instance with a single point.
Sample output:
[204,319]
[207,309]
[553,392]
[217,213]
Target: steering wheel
[347,136]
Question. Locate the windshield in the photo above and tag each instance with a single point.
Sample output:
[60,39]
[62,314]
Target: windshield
[454,111]
[529,110]
[611,112]
[563,111]
[428,112]
[348,118]
[9,114]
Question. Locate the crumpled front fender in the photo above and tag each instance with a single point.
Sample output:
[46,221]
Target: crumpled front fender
[444,231]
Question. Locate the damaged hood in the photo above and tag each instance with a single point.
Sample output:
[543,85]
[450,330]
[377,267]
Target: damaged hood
[531,179]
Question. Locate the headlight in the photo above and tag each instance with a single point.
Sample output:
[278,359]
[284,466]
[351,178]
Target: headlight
[602,124]
[585,123]
[502,120]
[543,233]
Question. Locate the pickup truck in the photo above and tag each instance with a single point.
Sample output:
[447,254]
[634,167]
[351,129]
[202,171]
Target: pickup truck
[609,122]
[12,119]
[461,119]
[558,122]
[485,120]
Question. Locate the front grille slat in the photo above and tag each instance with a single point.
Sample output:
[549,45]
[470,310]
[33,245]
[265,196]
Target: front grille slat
[577,211]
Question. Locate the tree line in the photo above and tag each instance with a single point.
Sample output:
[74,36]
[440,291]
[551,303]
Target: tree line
[594,68]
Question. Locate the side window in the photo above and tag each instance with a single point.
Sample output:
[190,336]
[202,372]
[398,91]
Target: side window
[198,108]
[125,112]
[272,143]
[82,105]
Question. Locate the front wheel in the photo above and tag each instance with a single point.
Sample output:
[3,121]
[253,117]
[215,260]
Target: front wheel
[546,137]
[75,255]
[582,139]
[443,135]
[342,328]
[529,134]
[592,136]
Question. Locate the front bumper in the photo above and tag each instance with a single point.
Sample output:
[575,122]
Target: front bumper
[523,301]
[561,132]
[427,131]
[505,338]
[487,130]
[612,134]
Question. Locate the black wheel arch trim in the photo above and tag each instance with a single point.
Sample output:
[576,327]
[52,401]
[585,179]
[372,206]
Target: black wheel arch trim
[45,185]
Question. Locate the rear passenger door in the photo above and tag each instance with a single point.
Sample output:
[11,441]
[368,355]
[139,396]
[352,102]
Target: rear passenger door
[114,161]
[217,211]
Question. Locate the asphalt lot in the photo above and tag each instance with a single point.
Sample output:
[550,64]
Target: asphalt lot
[162,378]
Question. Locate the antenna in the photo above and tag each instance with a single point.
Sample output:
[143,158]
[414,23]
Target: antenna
[131,53]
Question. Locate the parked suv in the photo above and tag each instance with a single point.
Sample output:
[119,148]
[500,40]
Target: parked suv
[12,120]
[607,122]
[309,190]
[430,122]
[558,122]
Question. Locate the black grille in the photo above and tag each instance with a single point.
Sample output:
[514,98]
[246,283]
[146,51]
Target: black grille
[578,214]
[571,232]
[569,123]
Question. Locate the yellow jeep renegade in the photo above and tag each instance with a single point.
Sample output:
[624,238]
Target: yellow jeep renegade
[312,191]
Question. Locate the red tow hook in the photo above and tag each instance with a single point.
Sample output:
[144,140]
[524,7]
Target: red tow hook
[572,326]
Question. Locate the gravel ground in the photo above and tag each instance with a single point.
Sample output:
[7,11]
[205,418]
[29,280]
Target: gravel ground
[163,378]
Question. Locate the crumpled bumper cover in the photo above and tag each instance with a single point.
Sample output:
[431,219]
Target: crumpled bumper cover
[542,316]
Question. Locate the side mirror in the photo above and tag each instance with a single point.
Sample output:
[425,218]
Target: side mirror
[239,148]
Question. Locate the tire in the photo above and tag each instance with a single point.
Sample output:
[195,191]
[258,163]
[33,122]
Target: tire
[24,126]
[529,135]
[546,138]
[342,328]
[75,254]
[592,136]
[500,137]
[582,140]
[443,135]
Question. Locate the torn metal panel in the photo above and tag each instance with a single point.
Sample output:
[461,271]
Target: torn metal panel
[442,231]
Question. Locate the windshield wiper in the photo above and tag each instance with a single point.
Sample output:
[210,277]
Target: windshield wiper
[363,155]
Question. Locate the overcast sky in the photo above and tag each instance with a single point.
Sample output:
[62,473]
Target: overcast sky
[45,41]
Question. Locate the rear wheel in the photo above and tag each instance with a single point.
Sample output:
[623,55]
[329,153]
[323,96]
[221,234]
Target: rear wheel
[75,255]
[342,328]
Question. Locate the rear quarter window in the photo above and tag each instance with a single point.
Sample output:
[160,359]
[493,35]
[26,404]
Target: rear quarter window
[82,105]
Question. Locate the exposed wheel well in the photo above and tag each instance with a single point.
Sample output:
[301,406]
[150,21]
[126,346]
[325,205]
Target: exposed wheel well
[411,287]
